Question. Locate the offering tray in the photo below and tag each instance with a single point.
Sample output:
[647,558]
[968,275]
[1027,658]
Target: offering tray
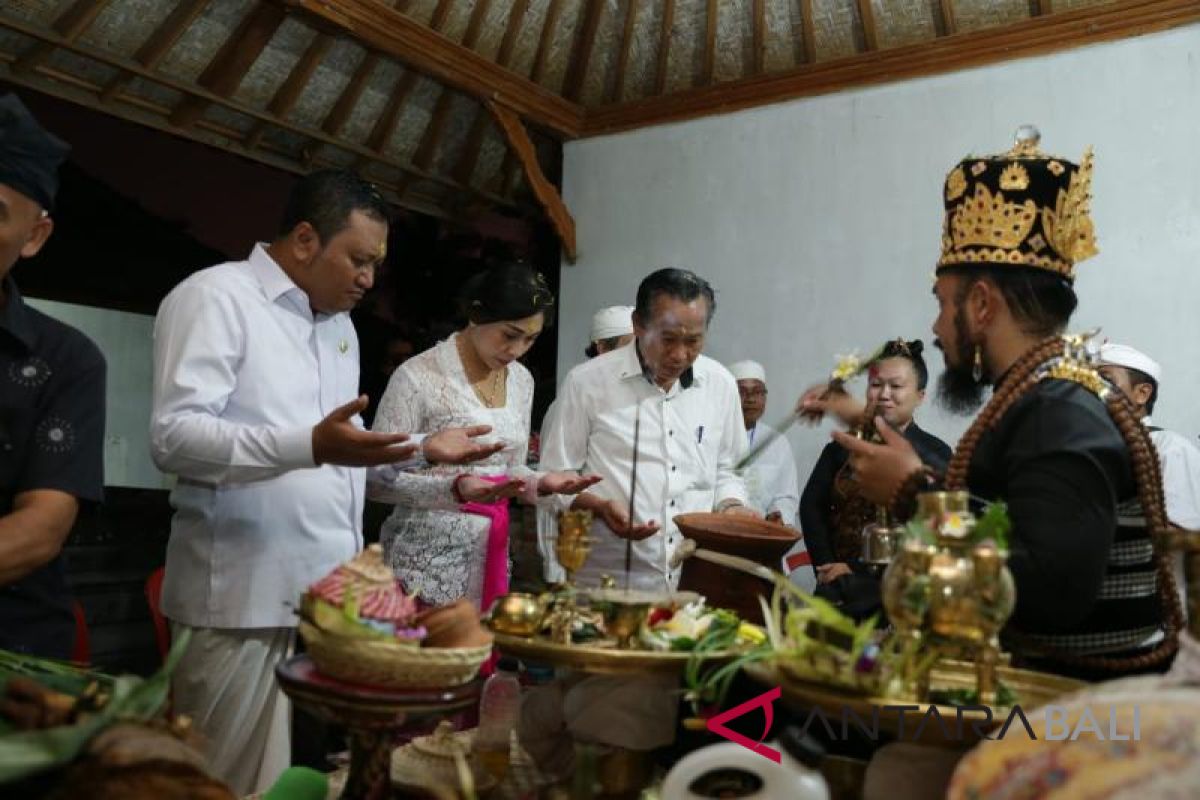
[909,720]
[603,657]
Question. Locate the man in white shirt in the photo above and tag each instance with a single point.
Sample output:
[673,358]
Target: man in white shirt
[771,480]
[683,410]
[612,328]
[1138,376]
[254,364]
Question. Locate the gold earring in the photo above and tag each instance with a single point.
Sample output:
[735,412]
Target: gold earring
[977,368]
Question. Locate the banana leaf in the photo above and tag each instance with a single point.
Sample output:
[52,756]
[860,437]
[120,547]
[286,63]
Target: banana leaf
[26,753]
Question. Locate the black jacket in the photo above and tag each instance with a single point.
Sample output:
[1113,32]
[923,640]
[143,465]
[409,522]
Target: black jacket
[816,502]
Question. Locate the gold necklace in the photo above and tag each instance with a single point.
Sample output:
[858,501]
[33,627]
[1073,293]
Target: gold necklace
[489,400]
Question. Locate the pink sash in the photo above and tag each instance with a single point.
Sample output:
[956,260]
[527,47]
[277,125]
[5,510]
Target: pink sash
[495,565]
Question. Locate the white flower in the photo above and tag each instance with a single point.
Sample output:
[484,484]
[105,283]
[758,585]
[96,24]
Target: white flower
[847,367]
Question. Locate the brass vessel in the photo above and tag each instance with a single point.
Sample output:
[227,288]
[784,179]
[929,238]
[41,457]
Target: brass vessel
[574,541]
[950,596]
[881,541]
[571,548]
[518,613]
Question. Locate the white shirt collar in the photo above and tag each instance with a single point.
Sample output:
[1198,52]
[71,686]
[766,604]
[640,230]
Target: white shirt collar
[274,281]
[631,367]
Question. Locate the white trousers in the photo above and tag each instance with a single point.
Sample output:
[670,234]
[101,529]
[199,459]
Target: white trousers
[226,683]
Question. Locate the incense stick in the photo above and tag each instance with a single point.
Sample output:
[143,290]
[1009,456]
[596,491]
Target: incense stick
[637,432]
[780,428]
[777,430]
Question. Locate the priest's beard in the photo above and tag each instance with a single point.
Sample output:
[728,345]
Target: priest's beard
[958,390]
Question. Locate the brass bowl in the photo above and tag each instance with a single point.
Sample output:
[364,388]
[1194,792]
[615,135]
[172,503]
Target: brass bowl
[629,608]
[626,620]
[518,613]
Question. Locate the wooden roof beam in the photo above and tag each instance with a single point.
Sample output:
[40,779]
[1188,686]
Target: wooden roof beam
[191,90]
[440,13]
[1054,32]
[948,24]
[475,24]
[664,46]
[448,62]
[520,143]
[808,35]
[70,25]
[72,89]
[285,97]
[233,60]
[427,149]
[577,69]
[516,16]
[866,16]
[160,42]
[759,36]
[385,125]
[344,106]
[464,170]
[710,44]
[468,157]
[618,88]
[543,49]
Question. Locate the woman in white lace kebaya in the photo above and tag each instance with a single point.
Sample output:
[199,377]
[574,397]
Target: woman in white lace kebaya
[448,534]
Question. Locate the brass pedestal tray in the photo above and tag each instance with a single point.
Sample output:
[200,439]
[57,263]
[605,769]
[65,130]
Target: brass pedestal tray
[516,620]
[909,720]
[371,714]
[599,659]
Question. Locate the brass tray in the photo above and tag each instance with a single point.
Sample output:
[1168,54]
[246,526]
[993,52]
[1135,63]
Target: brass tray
[916,723]
[600,660]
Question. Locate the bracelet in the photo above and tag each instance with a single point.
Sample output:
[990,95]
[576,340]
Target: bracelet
[454,490]
[904,500]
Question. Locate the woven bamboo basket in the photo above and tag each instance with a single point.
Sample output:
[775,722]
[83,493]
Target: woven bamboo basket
[396,666]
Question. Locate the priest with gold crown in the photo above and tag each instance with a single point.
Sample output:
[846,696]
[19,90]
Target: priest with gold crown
[1057,444]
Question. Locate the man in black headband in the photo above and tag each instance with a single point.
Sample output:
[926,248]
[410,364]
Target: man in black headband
[51,406]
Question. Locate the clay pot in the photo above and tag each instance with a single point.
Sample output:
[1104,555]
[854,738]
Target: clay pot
[755,539]
[455,625]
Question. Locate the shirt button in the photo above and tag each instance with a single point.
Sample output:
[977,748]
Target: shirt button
[672,468]
[672,504]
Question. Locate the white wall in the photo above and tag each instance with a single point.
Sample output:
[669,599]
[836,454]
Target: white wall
[818,221]
[127,341]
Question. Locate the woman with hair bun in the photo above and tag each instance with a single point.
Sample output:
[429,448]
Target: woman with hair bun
[447,537]
[832,514]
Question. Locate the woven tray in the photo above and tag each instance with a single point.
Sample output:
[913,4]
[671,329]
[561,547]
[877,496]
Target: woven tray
[396,666]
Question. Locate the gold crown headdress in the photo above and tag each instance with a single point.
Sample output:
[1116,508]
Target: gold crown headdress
[1020,208]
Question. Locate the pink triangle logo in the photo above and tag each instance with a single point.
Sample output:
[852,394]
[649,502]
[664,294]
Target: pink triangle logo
[717,724]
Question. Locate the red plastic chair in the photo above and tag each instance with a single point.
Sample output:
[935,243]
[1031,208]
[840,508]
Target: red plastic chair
[162,633]
[81,651]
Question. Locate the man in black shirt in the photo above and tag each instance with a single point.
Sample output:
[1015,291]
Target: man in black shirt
[51,407]
[1090,598]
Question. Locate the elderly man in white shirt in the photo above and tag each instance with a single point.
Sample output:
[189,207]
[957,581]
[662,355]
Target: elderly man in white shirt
[681,412]
[254,364]
[1138,377]
[612,328]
